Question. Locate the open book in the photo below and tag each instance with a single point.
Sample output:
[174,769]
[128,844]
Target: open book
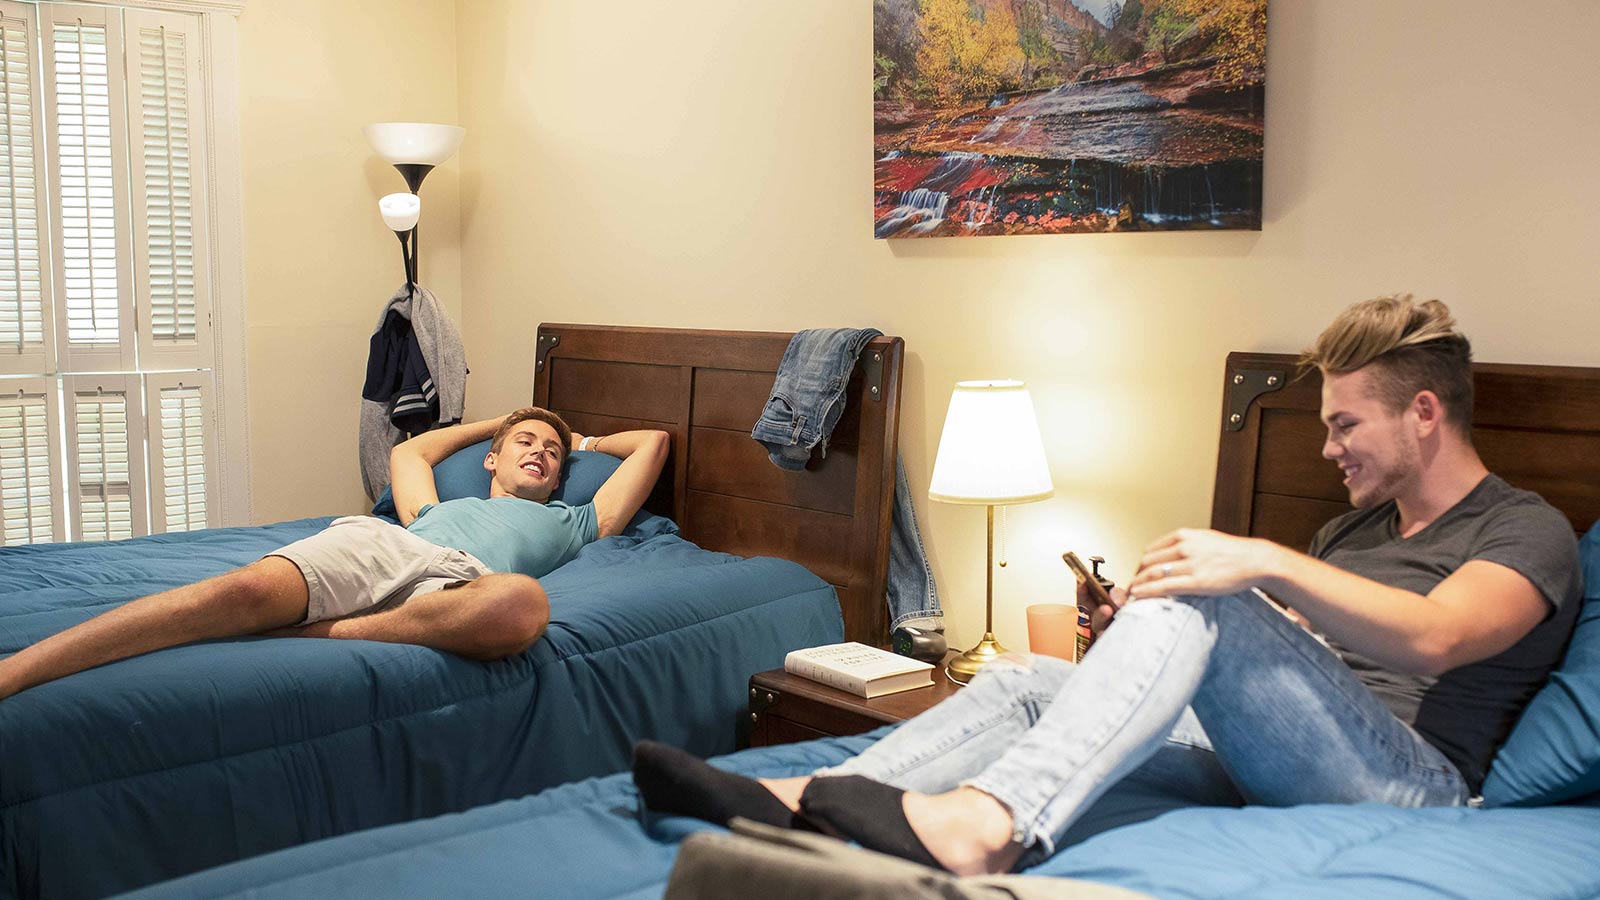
[862,670]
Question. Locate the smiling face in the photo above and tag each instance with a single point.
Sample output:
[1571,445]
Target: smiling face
[1377,449]
[527,462]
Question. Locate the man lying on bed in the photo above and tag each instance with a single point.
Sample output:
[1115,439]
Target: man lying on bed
[460,576]
[1447,595]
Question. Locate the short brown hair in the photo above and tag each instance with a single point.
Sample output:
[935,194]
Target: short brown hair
[563,432]
[1412,347]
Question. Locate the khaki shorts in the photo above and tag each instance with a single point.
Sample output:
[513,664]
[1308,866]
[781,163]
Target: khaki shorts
[362,564]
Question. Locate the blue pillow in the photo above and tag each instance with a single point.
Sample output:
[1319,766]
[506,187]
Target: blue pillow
[1553,754]
[462,474]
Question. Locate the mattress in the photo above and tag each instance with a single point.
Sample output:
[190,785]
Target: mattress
[588,840]
[202,754]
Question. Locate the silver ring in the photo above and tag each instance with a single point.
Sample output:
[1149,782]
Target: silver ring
[1166,570]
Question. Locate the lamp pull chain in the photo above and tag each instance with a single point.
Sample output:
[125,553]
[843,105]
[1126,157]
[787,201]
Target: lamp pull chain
[1002,537]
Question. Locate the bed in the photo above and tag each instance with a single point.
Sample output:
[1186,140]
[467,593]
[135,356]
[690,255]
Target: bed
[1538,426]
[203,754]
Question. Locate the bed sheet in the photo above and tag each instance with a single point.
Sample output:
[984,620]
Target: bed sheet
[587,841]
[203,754]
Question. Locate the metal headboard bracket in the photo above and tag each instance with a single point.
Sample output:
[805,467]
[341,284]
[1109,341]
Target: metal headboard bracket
[873,361]
[546,343]
[1245,386]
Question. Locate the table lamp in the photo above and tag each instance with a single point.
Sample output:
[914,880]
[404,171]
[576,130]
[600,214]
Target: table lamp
[989,455]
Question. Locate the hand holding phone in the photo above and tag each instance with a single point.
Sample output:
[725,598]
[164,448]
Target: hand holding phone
[1101,606]
[1086,577]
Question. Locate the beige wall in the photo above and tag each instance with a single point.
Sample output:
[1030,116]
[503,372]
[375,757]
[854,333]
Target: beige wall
[706,164]
[319,263]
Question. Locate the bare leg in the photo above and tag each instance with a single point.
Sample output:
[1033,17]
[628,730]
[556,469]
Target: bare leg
[490,618]
[787,790]
[265,594]
[966,830]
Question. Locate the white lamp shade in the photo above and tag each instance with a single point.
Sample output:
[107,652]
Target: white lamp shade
[417,143]
[990,453]
[400,211]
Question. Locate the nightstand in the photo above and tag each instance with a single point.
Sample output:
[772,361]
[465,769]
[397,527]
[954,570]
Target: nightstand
[786,708]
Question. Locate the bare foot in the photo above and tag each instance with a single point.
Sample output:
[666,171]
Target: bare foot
[788,790]
[966,830]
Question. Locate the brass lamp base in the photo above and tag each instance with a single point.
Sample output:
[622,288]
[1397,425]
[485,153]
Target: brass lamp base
[962,668]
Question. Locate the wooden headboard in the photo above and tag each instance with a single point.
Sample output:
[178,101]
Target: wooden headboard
[1537,427]
[706,389]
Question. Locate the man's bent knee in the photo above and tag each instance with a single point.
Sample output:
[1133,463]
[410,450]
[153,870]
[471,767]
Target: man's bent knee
[509,614]
[269,593]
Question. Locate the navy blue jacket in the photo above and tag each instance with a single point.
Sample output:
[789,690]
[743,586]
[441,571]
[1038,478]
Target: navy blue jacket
[398,376]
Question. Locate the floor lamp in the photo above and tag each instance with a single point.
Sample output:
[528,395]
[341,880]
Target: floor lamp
[990,454]
[414,148]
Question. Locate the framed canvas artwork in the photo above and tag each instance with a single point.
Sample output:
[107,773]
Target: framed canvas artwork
[994,117]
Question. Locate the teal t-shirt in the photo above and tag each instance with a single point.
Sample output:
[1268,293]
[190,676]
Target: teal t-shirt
[509,534]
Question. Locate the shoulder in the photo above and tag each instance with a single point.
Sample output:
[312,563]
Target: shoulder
[570,512]
[582,520]
[1520,530]
[1511,510]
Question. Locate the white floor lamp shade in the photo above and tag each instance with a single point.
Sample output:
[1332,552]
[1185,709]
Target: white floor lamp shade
[419,143]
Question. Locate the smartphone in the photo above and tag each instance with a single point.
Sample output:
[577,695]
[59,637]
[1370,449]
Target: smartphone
[1097,591]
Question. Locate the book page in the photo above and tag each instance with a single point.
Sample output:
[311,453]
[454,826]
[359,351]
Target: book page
[865,662]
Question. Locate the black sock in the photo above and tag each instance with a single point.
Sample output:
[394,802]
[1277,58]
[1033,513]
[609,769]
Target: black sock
[867,812]
[673,781]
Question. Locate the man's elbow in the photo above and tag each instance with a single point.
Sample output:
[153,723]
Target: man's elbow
[1437,654]
[401,452]
[660,446]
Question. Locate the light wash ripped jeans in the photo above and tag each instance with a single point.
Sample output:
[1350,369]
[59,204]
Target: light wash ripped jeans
[1220,699]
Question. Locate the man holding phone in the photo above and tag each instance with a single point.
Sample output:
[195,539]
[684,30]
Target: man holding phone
[1440,604]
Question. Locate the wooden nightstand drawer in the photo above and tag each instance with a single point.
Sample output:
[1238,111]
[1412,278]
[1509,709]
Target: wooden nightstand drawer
[786,708]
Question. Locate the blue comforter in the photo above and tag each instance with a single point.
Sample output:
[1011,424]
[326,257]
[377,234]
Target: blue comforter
[203,754]
[586,840]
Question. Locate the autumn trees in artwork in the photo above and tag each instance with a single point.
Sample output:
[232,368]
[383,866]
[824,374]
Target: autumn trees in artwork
[945,52]
[962,56]
[1240,27]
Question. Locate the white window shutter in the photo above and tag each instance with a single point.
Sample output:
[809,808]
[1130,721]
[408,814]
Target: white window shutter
[171,246]
[27,344]
[105,457]
[84,96]
[180,409]
[30,467]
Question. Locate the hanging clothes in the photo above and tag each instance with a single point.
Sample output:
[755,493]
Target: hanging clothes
[416,379]
[807,398]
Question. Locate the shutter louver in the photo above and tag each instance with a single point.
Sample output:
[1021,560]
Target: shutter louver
[107,458]
[168,218]
[25,332]
[172,245]
[105,507]
[182,458]
[30,506]
[88,114]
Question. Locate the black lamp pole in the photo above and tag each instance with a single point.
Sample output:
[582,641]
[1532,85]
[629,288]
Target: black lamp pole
[413,173]
[406,260]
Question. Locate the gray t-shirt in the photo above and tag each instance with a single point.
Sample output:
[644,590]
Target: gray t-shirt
[1468,711]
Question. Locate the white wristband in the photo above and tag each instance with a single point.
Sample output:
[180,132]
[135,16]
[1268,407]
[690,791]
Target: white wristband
[589,442]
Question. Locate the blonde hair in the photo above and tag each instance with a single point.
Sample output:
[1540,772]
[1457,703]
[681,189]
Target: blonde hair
[1411,347]
[563,433]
